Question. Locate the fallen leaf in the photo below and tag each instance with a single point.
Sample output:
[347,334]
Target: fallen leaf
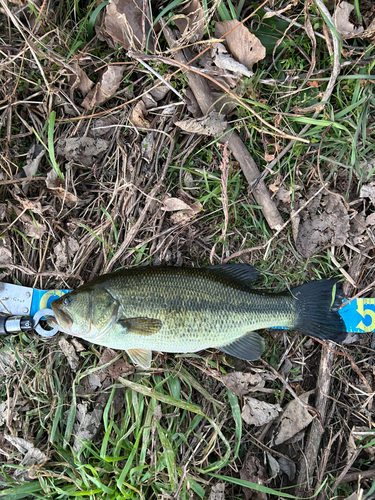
[242,383]
[184,216]
[368,191]
[370,219]
[294,419]
[214,124]
[54,183]
[32,456]
[288,467]
[33,159]
[88,427]
[6,257]
[86,150]
[255,412]
[147,146]
[190,21]
[7,360]
[159,92]
[253,471]
[243,45]
[217,492]
[225,61]
[127,24]
[80,80]
[65,251]
[341,21]
[138,115]
[324,222]
[69,353]
[274,466]
[174,204]
[106,87]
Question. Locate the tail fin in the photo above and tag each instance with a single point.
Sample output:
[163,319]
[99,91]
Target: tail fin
[317,305]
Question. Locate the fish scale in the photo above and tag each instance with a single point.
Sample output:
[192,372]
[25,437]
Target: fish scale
[189,309]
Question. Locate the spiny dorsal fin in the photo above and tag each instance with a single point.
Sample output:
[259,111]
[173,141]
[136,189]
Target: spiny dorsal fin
[249,347]
[141,326]
[140,357]
[241,273]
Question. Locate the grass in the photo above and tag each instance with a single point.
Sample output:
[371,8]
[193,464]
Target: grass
[173,431]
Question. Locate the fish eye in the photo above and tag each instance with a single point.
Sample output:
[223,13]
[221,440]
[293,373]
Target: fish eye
[67,300]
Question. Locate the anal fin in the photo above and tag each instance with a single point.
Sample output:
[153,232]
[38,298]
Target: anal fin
[249,347]
[140,357]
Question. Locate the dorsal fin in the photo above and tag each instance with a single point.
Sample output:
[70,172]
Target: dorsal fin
[241,273]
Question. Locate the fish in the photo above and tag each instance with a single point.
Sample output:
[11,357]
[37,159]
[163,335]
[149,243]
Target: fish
[185,310]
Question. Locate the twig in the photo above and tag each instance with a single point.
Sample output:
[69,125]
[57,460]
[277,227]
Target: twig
[316,432]
[206,102]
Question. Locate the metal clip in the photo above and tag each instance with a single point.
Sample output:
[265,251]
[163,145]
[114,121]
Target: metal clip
[38,328]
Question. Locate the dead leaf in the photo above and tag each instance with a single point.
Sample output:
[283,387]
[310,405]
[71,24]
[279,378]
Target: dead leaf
[159,92]
[147,146]
[190,21]
[128,25]
[341,21]
[33,229]
[255,412]
[253,471]
[6,257]
[86,150]
[185,216]
[65,251]
[294,419]
[324,222]
[54,183]
[70,354]
[33,159]
[225,61]
[88,427]
[7,360]
[242,383]
[243,45]
[274,466]
[370,219]
[288,467]
[214,124]
[106,87]
[80,80]
[32,456]
[174,204]
[368,191]
[217,492]
[138,115]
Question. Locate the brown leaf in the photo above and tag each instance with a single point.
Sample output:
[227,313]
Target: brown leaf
[368,191]
[242,383]
[174,204]
[81,81]
[105,88]
[69,353]
[245,47]
[255,412]
[341,20]
[128,25]
[33,159]
[214,124]
[138,115]
[324,222]
[64,252]
[86,150]
[54,183]
[225,61]
[217,492]
[190,21]
[294,419]
[253,471]
[185,216]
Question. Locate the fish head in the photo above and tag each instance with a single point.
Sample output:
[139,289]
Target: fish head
[88,313]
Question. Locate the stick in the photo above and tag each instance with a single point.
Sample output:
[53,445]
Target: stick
[304,487]
[206,102]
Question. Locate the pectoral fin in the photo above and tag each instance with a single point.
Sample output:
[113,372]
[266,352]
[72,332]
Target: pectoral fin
[141,326]
[141,357]
[249,347]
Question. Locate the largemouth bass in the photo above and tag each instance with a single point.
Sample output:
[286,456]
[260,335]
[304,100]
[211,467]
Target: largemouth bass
[182,310]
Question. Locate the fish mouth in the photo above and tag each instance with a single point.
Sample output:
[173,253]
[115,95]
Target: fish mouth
[62,320]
